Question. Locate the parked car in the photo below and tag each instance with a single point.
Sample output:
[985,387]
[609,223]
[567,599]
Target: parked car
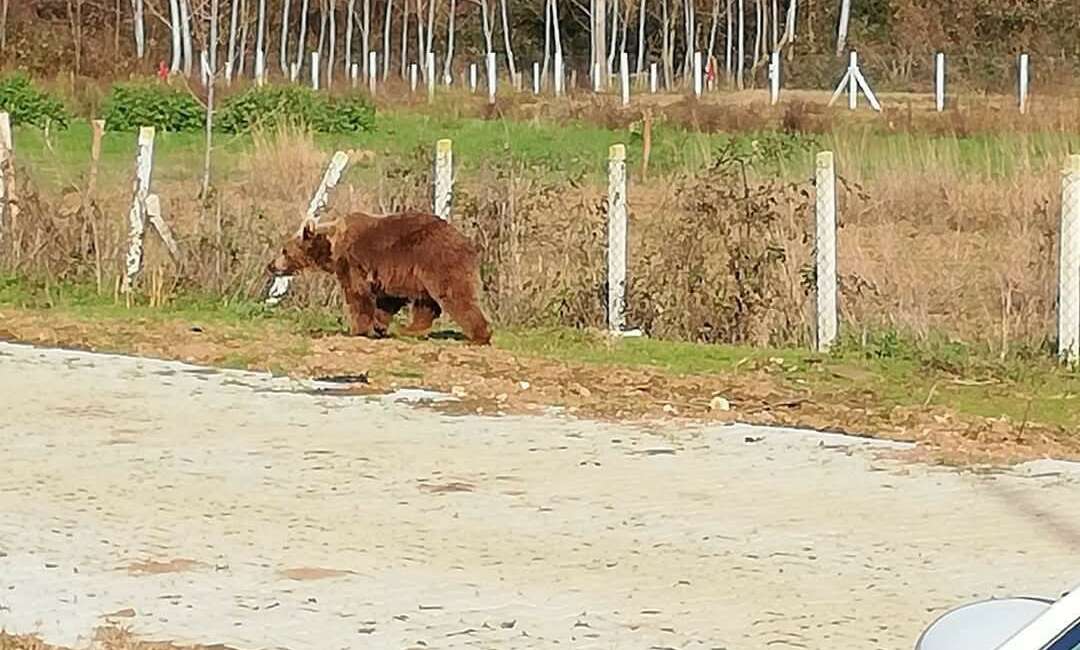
[1017,623]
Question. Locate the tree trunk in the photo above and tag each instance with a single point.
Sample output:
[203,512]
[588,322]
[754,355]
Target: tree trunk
[712,29]
[842,29]
[3,24]
[230,54]
[727,41]
[614,33]
[322,30]
[386,41]
[430,47]
[241,58]
[283,50]
[365,38]
[506,41]
[666,53]
[333,48]
[641,38]
[185,27]
[174,28]
[757,29]
[556,31]
[775,25]
[421,44]
[260,38]
[138,19]
[448,63]
[599,62]
[212,55]
[404,37]
[301,38]
[691,38]
[487,26]
[741,62]
[74,12]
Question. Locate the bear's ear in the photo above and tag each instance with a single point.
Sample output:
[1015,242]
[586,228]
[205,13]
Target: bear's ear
[308,231]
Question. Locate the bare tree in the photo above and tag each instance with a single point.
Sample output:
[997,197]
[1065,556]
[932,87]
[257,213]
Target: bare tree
[757,29]
[614,33]
[75,22]
[138,21]
[727,40]
[741,62]
[430,35]
[486,25]
[211,84]
[448,62]
[350,10]
[842,28]
[690,22]
[386,41]
[712,29]
[283,49]
[332,26]
[641,38]
[185,33]
[230,54]
[365,38]
[599,62]
[556,33]
[506,40]
[174,27]
[301,38]
[260,40]
[404,37]
[421,43]
[3,24]
[666,54]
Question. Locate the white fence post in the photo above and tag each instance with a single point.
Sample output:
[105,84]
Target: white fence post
[1023,83]
[429,70]
[373,74]
[536,77]
[825,245]
[412,77]
[294,72]
[144,162]
[472,77]
[697,74]
[624,77]
[774,78]
[492,77]
[616,276]
[854,80]
[7,179]
[654,79]
[1069,265]
[354,74]
[315,70]
[318,203]
[939,81]
[444,178]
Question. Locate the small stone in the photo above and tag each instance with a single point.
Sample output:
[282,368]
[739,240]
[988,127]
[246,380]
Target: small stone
[501,397]
[668,408]
[719,403]
[582,391]
[524,385]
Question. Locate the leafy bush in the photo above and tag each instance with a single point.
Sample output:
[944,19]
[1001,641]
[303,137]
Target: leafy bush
[272,106]
[130,106]
[28,105]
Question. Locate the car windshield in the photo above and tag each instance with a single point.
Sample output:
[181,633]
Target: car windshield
[1068,641]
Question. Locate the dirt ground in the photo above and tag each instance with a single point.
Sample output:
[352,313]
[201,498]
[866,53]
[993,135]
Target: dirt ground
[224,507]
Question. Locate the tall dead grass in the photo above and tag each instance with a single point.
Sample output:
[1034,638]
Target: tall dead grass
[720,255]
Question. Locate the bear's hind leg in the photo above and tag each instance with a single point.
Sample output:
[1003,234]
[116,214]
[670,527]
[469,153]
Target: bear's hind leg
[424,312]
[385,309]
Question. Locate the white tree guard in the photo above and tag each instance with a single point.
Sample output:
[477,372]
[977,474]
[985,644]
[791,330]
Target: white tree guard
[144,163]
[616,257]
[319,201]
[654,79]
[7,182]
[204,68]
[939,82]
[315,70]
[825,250]
[354,74]
[774,77]
[560,78]
[372,72]
[472,78]
[596,77]
[624,77]
[444,178]
[429,73]
[413,77]
[1023,83]
[536,77]
[492,77]
[1069,265]
[697,74]
[260,68]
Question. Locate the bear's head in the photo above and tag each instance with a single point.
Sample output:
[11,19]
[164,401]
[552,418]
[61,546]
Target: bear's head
[311,248]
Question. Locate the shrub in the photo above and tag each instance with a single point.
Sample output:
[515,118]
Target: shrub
[130,106]
[274,106]
[28,105]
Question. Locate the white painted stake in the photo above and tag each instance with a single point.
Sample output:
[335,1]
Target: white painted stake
[939,82]
[315,208]
[624,77]
[774,78]
[260,68]
[854,80]
[1023,83]
[560,80]
[315,70]
[616,253]
[429,72]
[472,77]
[144,162]
[697,74]
[596,77]
[294,72]
[492,79]
[536,78]
[1069,265]
[654,79]
[444,178]
[354,74]
[825,245]
[372,72]
[7,177]
[413,74]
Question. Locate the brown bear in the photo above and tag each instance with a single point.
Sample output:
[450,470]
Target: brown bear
[385,262]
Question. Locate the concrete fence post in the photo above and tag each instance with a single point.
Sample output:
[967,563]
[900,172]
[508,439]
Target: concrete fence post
[144,163]
[825,250]
[444,178]
[616,253]
[318,203]
[1069,265]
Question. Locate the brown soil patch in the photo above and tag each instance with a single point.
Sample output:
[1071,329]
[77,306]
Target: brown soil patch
[153,567]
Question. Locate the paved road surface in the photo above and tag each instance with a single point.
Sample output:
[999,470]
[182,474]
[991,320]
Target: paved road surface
[228,507]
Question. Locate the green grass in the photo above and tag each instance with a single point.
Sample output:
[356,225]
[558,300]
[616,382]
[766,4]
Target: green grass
[888,369]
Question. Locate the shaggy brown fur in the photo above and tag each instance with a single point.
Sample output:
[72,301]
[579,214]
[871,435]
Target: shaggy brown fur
[385,262]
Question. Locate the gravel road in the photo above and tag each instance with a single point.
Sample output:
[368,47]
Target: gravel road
[229,507]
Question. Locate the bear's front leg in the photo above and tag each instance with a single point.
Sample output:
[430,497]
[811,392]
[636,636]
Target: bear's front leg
[359,305]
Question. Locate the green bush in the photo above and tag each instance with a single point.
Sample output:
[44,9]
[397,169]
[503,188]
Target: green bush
[130,106]
[28,105]
[272,106]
